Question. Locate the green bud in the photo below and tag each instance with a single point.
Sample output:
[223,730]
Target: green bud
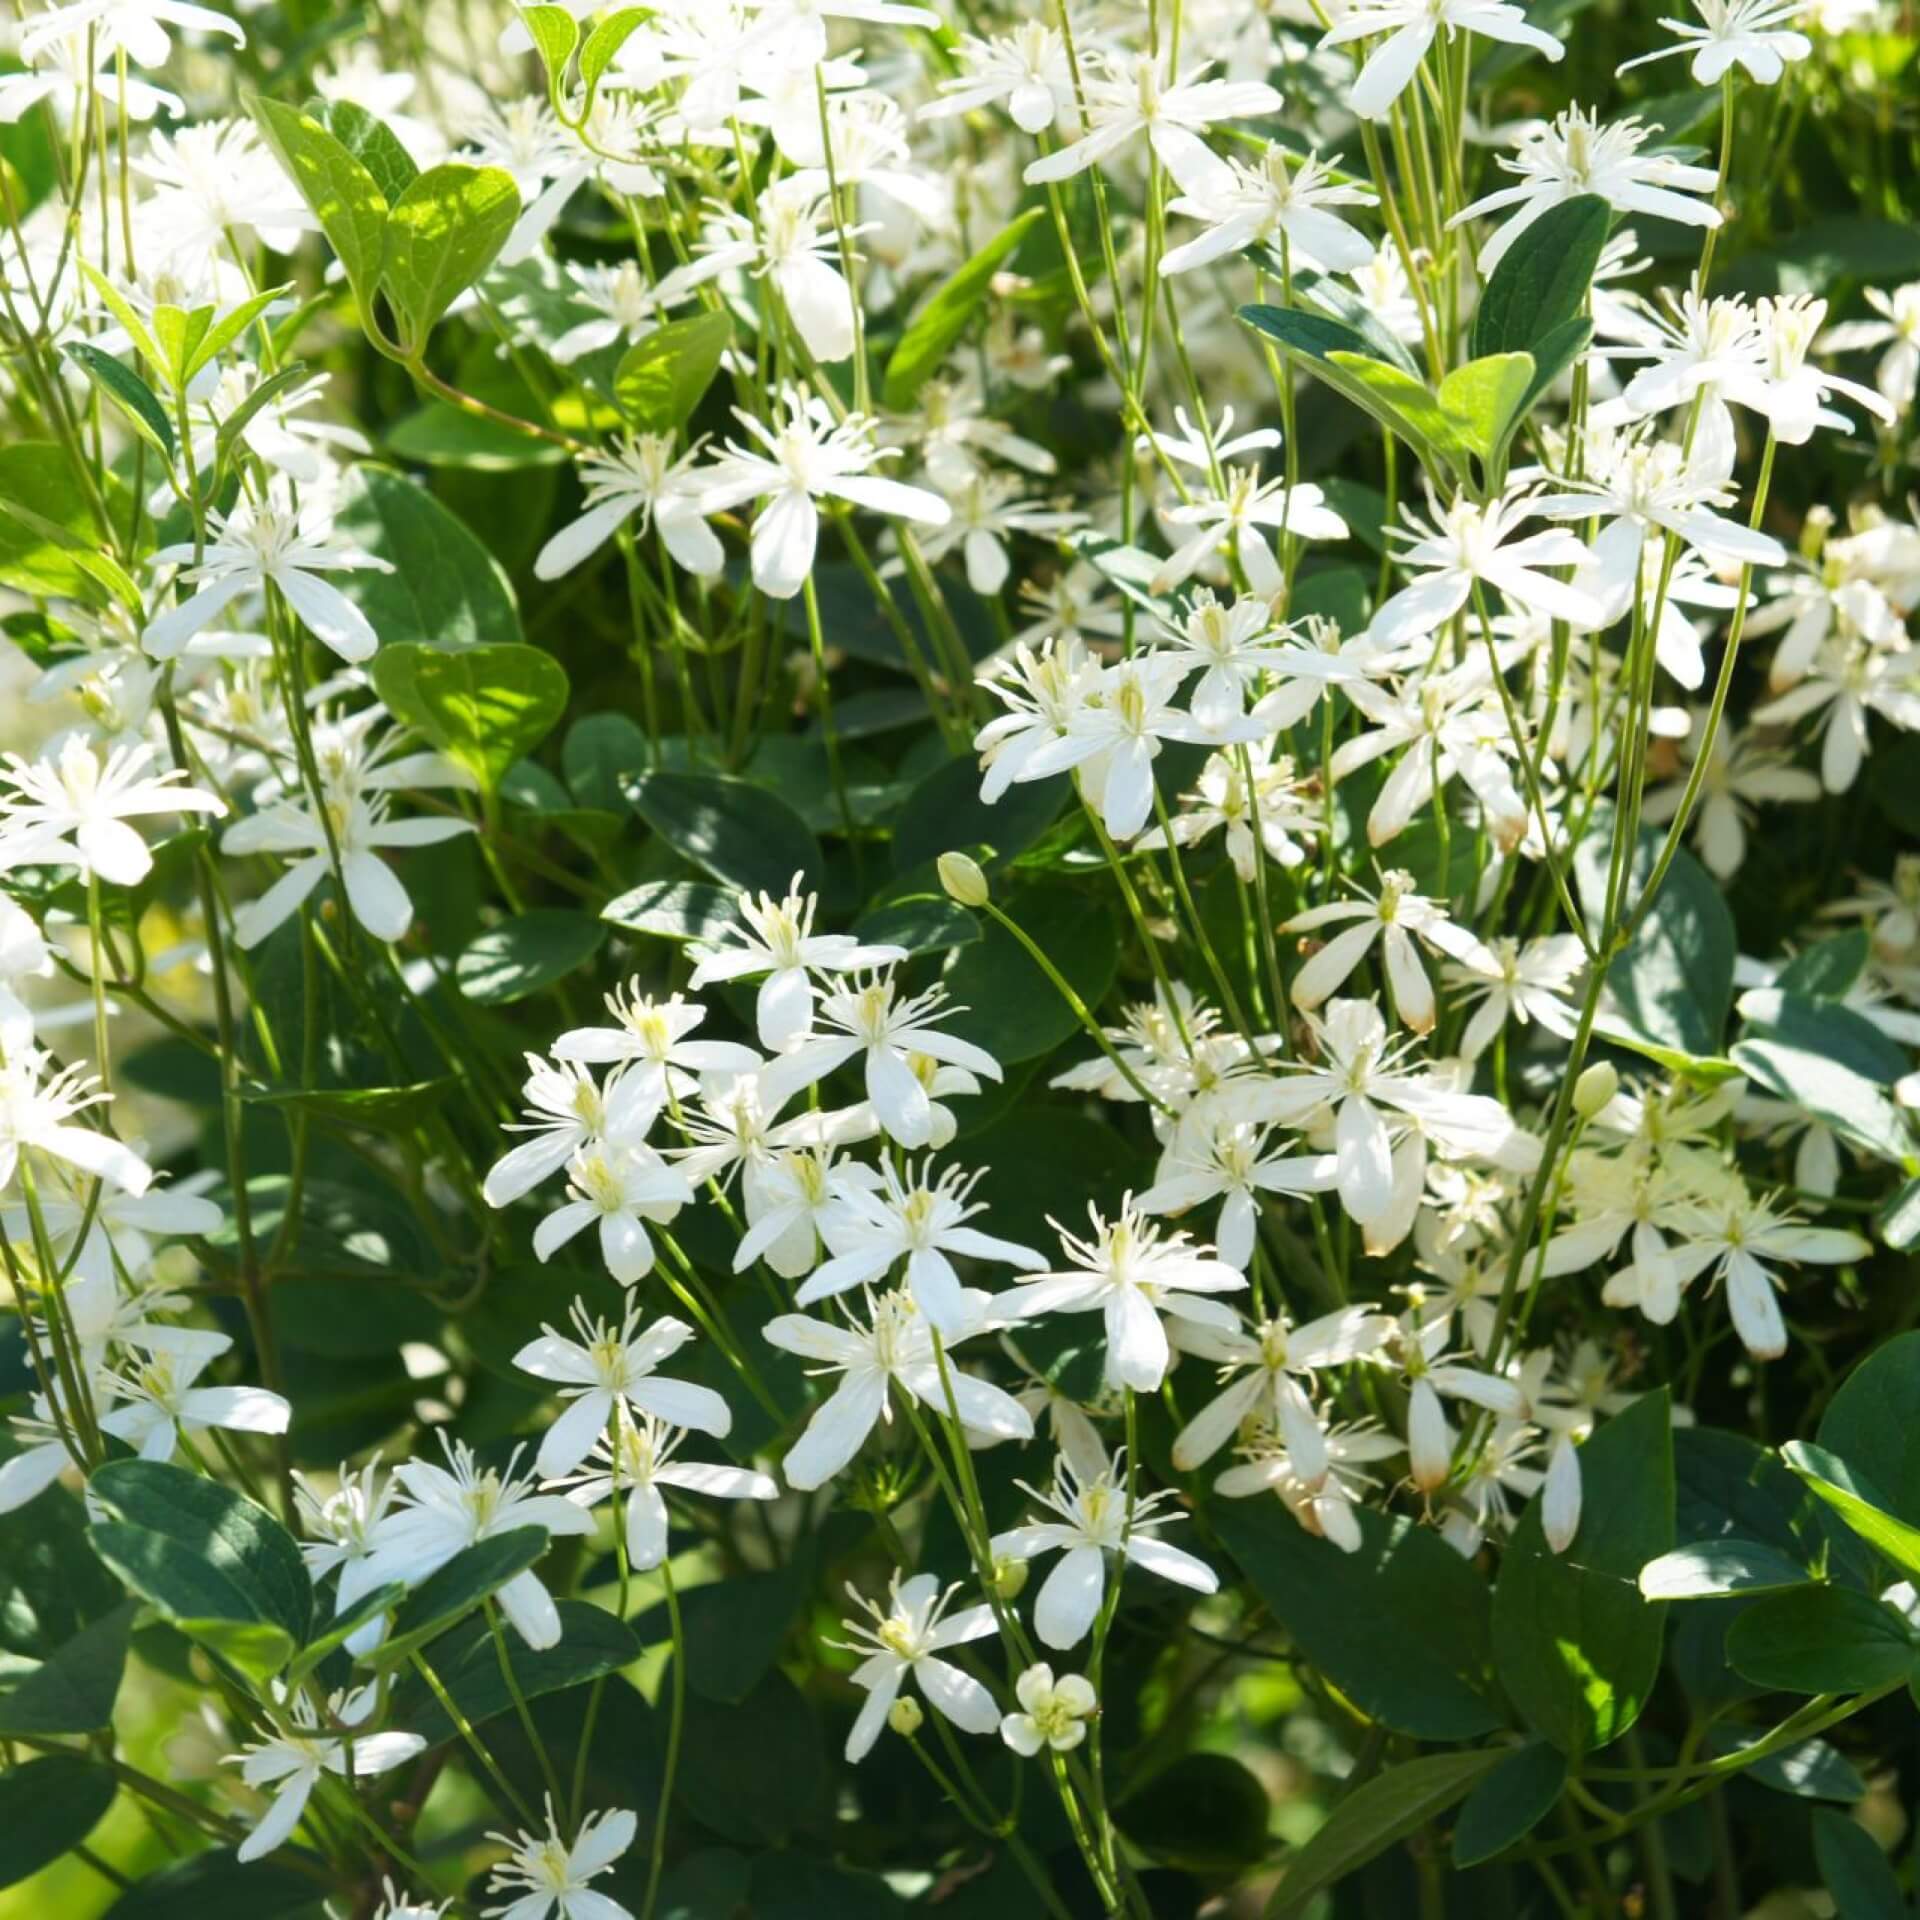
[963,879]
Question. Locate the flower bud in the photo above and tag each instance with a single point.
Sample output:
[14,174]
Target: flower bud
[963,879]
[1009,1579]
[905,1716]
[1594,1089]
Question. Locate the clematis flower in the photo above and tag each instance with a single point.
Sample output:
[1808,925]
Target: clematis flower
[648,1042]
[778,940]
[1026,69]
[1529,983]
[1093,1520]
[161,1399]
[1132,1273]
[893,1349]
[76,805]
[1053,1713]
[1285,196]
[1213,1155]
[807,457]
[261,543]
[1411,27]
[36,1110]
[608,1367]
[638,478]
[907,1637]
[621,1186]
[550,1878]
[1324,1507]
[1753,34]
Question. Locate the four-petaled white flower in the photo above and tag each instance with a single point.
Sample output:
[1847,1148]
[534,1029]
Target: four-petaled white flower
[1053,1713]
[75,807]
[907,1637]
[550,1878]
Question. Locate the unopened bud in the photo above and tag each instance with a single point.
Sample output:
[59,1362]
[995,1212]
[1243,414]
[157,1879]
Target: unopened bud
[905,1716]
[963,879]
[1009,1579]
[1595,1089]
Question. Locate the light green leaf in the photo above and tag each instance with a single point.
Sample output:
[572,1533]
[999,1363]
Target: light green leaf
[371,141]
[937,323]
[224,329]
[484,707]
[47,529]
[1871,1423]
[555,33]
[1484,399]
[260,397]
[662,378]
[344,196]
[443,233]
[606,40]
[1860,1503]
[1375,1816]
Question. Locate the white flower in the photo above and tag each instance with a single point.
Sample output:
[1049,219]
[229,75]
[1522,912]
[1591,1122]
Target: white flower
[1529,983]
[895,1348]
[1262,1369]
[1094,1520]
[1027,68]
[1360,1073]
[1215,1156]
[637,475]
[607,1367]
[555,1873]
[1284,196]
[807,458]
[1741,776]
[139,27]
[1132,1273]
[341,1528]
[162,1402]
[1278,803]
[441,1511]
[1788,389]
[1053,1713]
[1393,919]
[907,1637]
[791,243]
[566,1112]
[621,1186]
[1851,682]
[1324,1507]
[1130,94]
[1573,155]
[261,542]
[868,1022]
[1748,33]
[1898,330]
[648,1041]
[76,806]
[637,1459]
[1042,691]
[920,1221]
[1411,27]
[779,941]
[1240,515]
[292,1762]
[1462,545]
[35,1112]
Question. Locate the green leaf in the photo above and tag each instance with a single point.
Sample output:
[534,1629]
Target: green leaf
[1813,1770]
[673,910]
[344,196]
[554,32]
[1855,1108]
[1542,280]
[1820,1639]
[1871,1423]
[47,1807]
[662,378]
[467,1663]
[1828,969]
[735,1627]
[445,587]
[342,1627]
[203,1601]
[258,399]
[606,40]
[448,1596]
[739,833]
[371,141]
[1003,1001]
[484,707]
[1673,985]
[1407,405]
[1854,1869]
[1205,1812]
[1379,1814]
[125,312]
[371,1109]
[919,922]
[132,398]
[1484,399]
[1509,1802]
[756,1771]
[1859,1503]
[1576,1645]
[443,233]
[75,1690]
[526,954]
[44,547]
[437,435]
[223,330]
[215,1886]
[944,813]
[797,1886]
[1401,1626]
[937,323]
[241,1543]
[599,751]
[1719,1568]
